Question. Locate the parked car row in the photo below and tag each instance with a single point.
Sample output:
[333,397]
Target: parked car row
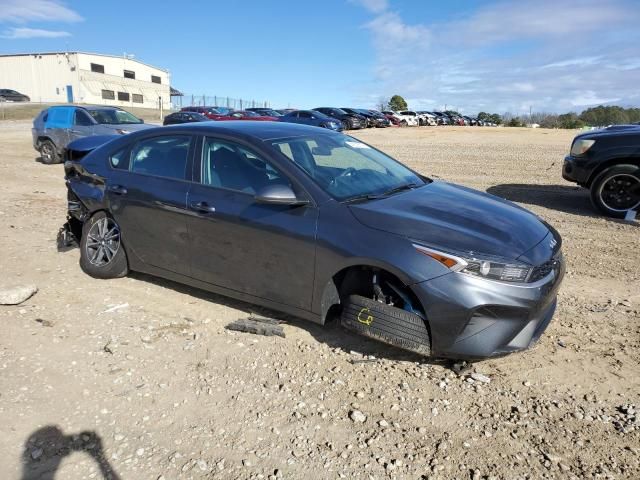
[425,118]
[56,126]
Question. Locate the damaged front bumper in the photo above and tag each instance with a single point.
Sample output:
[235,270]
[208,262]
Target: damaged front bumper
[473,318]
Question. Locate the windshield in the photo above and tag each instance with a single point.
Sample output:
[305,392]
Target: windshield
[346,168]
[113,117]
[319,115]
[269,113]
[223,110]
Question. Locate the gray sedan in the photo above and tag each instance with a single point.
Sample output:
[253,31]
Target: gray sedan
[318,225]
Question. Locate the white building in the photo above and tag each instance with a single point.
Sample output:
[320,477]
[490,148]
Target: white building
[91,78]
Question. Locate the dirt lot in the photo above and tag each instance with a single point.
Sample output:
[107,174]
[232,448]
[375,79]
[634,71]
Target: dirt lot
[138,379]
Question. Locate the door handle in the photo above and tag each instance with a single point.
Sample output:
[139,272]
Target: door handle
[202,207]
[118,189]
[75,131]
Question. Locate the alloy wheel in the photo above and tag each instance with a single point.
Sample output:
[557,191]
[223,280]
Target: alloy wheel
[621,192]
[103,242]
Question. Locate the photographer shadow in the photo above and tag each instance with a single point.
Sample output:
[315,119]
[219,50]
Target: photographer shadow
[47,447]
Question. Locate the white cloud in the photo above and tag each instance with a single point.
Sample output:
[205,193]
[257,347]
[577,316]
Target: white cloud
[21,11]
[590,98]
[24,33]
[389,29]
[374,6]
[574,62]
[523,87]
[516,20]
[551,55]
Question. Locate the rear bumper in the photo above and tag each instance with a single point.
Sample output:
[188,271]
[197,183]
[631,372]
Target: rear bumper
[472,318]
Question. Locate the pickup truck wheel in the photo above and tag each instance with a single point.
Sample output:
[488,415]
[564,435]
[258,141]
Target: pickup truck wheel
[48,152]
[101,252]
[617,190]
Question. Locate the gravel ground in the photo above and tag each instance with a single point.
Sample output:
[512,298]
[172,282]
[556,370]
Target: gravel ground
[137,378]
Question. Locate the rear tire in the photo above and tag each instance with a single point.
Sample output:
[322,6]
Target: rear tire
[102,254]
[48,153]
[386,324]
[616,190]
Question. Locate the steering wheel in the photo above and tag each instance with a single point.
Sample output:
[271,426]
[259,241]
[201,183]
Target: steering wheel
[347,172]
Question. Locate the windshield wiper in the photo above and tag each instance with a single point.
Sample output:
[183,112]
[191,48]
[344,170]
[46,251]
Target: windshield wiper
[376,196]
[361,198]
[399,188]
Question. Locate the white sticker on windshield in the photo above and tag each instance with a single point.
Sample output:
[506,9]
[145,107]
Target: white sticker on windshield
[356,144]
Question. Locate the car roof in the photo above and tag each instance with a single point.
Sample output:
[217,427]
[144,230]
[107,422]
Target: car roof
[97,107]
[255,129]
[87,107]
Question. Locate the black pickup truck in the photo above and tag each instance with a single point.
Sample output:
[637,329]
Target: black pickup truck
[607,162]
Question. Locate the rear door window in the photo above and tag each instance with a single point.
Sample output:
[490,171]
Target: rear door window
[60,117]
[120,159]
[166,156]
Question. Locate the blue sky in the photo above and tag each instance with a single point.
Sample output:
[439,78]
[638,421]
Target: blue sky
[498,56]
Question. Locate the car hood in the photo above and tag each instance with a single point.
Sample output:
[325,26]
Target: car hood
[130,127]
[613,130]
[456,219]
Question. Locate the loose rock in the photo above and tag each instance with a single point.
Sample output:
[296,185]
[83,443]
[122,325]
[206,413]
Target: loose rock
[17,295]
[357,416]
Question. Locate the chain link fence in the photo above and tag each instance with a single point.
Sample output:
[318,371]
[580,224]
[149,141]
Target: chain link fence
[193,100]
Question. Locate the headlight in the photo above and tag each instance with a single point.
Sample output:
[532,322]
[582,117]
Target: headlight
[489,268]
[580,147]
[504,272]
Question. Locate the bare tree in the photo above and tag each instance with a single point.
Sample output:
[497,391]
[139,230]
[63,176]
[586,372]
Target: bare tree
[383,103]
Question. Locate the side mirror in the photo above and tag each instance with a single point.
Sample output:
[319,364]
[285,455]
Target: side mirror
[141,120]
[278,195]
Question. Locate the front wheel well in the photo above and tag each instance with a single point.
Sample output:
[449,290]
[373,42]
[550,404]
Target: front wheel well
[43,138]
[611,163]
[369,282]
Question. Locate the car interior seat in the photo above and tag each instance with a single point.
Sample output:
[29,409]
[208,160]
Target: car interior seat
[236,172]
